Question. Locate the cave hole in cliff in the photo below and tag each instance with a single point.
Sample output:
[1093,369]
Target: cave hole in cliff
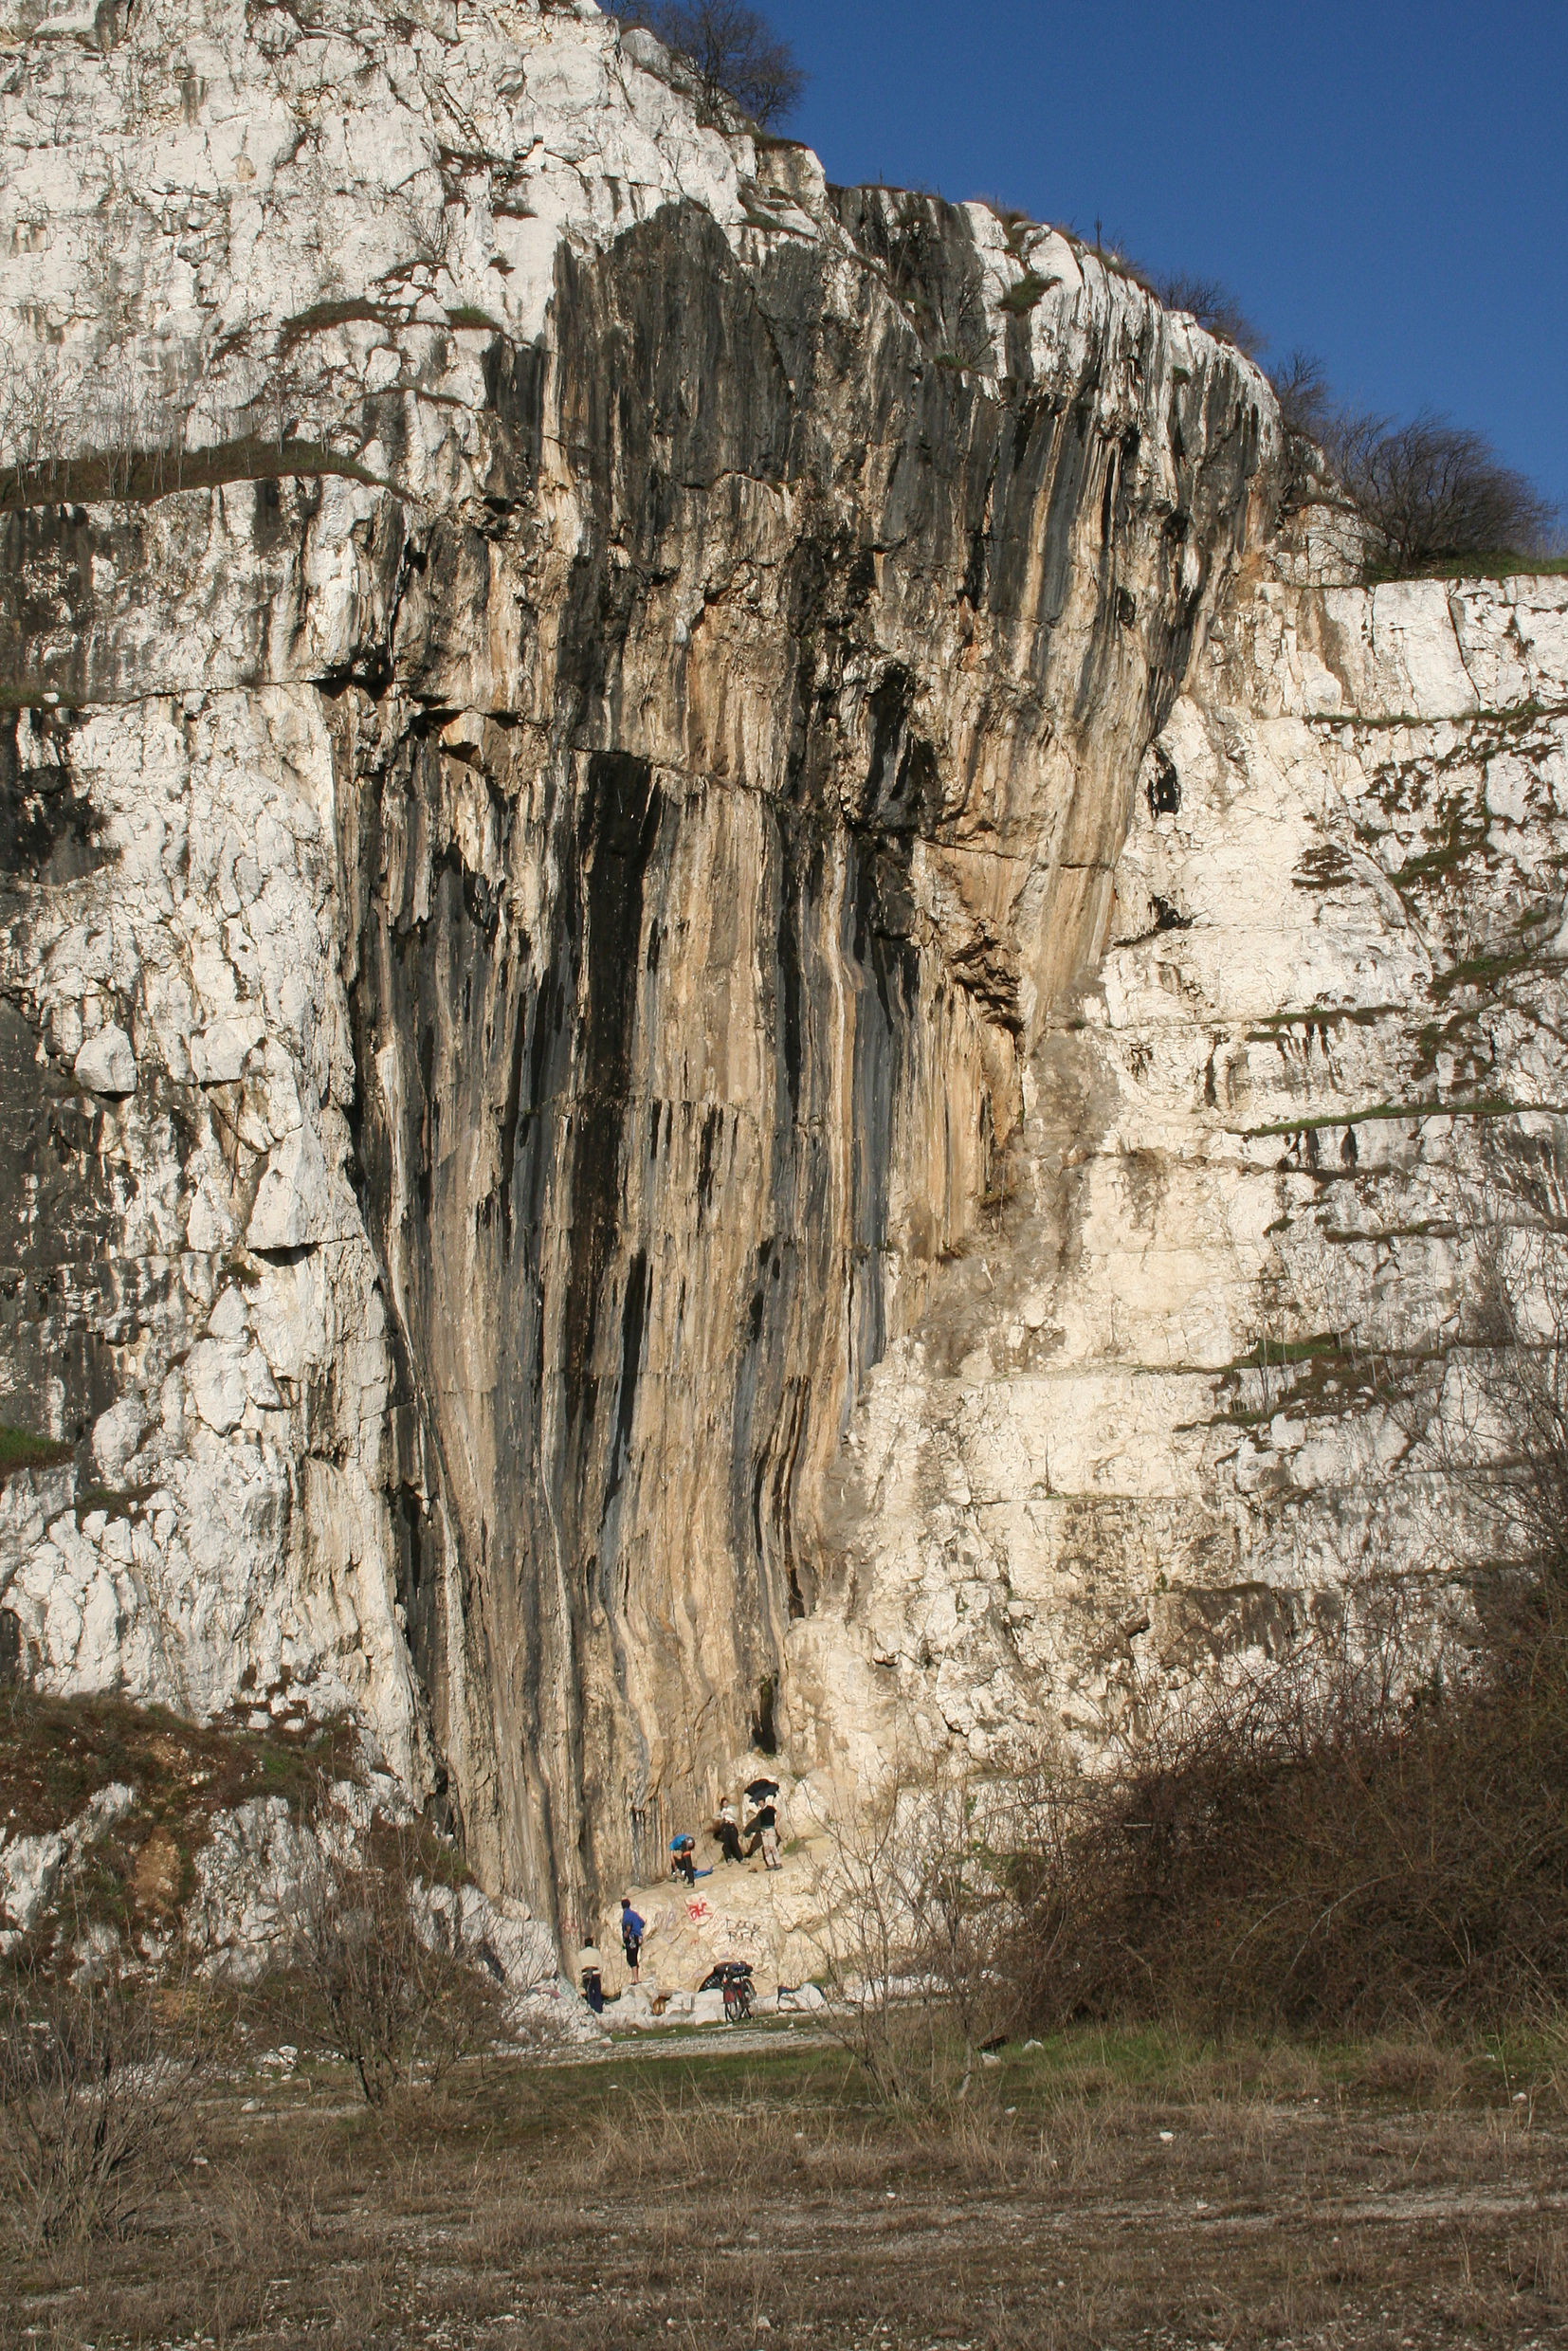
[764,1733]
[1164,787]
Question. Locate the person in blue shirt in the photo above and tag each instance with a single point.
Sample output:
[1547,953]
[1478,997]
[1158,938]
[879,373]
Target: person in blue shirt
[632,1931]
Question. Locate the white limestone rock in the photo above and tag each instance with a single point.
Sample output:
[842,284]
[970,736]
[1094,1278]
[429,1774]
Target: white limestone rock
[499,1936]
[250,1881]
[294,1205]
[220,1052]
[106,1064]
[116,1434]
[1237,1138]
[34,1868]
[29,1874]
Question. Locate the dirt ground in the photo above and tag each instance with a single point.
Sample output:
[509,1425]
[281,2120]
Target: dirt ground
[1092,2191]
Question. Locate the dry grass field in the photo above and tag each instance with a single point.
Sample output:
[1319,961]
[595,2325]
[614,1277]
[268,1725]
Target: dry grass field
[1094,2191]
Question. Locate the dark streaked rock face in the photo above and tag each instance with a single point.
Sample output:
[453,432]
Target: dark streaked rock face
[580,693]
[675,1071]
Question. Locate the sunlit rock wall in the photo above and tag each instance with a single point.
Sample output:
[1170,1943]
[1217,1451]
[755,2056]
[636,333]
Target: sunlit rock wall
[1211,1371]
[623,1130]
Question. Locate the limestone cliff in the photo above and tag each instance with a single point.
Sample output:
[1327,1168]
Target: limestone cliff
[1174,1406]
[581,710]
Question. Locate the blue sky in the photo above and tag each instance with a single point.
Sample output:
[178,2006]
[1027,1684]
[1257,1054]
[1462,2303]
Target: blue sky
[1383,182]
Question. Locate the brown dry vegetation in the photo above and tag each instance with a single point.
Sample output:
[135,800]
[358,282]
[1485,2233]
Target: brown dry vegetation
[366,1976]
[56,1754]
[1322,1850]
[1374,1826]
[1092,2192]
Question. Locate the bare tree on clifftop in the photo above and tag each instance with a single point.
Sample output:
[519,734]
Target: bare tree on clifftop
[1214,306]
[733,49]
[1432,492]
[1428,495]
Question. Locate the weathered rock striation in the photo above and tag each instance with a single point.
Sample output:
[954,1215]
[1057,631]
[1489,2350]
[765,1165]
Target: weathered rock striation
[581,712]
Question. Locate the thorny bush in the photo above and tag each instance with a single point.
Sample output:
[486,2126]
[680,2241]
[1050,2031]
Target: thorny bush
[914,1880]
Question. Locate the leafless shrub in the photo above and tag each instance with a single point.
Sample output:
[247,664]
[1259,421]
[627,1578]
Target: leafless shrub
[914,1885]
[1307,406]
[32,419]
[1214,306]
[732,48]
[426,225]
[1428,495]
[94,2102]
[1432,493]
[380,1984]
[128,424]
[1372,1827]
[1310,414]
[127,418]
[1334,1845]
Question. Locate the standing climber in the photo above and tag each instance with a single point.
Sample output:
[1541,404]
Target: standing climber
[762,1829]
[592,1977]
[632,1931]
[726,1828]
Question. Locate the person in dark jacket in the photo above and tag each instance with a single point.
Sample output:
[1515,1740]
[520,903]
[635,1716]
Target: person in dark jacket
[632,1931]
[728,1834]
[764,1820]
[593,1981]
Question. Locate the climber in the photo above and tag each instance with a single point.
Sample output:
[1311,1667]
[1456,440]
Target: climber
[726,1829]
[762,1829]
[683,1862]
[592,1979]
[632,1931]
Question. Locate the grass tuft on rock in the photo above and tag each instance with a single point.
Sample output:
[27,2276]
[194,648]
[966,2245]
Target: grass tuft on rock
[20,1449]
